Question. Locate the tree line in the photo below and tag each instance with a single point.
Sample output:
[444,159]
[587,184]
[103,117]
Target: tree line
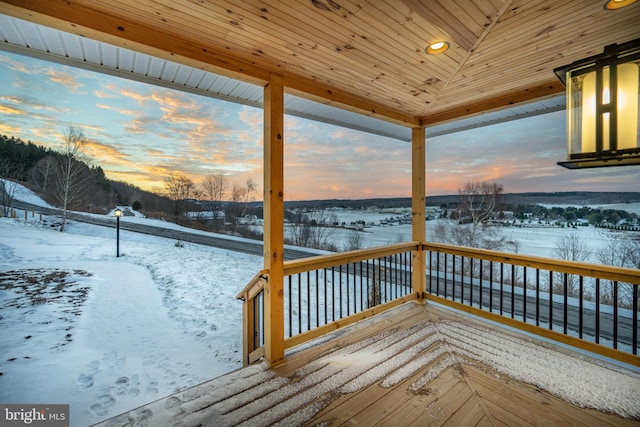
[66,179]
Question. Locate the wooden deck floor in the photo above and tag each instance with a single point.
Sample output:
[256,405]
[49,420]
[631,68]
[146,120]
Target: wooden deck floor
[412,366]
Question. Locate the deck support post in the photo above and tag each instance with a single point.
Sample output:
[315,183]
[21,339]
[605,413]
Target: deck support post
[418,210]
[274,221]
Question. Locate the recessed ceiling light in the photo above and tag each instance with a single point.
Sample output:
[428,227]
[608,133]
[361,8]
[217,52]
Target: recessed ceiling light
[437,47]
[617,4]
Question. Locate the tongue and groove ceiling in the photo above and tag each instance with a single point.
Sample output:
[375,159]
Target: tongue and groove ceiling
[365,56]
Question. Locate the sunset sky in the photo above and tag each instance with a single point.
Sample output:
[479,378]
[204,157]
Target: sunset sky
[141,133]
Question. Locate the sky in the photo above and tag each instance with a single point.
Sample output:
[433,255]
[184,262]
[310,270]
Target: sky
[140,134]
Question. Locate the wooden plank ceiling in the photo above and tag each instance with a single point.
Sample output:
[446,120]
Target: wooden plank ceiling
[364,55]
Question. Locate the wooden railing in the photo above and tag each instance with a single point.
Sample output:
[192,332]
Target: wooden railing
[588,306]
[253,318]
[328,292]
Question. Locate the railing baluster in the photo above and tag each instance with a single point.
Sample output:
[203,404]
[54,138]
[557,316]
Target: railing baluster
[524,294]
[340,289]
[308,300]
[355,290]
[537,297]
[615,314]
[299,303]
[438,274]
[481,287]
[290,308]
[491,286]
[581,306]
[374,290]
[445,275]
[385,270]
[634,321]
[501,289]
[550,299]
[318,298]
[597,311]
[361,286]
[430,269]
[453,278]
[326,303]
[461,280]
[565,304]
[513,290]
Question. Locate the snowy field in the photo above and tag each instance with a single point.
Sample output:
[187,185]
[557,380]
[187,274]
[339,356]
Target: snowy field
[536,241]
[107,334]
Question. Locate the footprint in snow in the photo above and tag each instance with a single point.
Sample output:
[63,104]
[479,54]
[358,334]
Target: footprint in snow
[102,406]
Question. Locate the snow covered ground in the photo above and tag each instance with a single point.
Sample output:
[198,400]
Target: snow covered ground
[107,334]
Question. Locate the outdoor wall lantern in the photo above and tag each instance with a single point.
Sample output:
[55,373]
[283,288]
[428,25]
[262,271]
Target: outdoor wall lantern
[118,213]
[602,108]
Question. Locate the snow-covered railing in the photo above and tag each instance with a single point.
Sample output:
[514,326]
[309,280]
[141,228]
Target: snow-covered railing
[589,306]
[327,292]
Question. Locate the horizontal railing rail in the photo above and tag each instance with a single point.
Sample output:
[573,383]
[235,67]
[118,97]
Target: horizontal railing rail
[589,306]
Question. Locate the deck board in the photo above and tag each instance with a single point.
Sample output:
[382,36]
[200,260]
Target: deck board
[403,367]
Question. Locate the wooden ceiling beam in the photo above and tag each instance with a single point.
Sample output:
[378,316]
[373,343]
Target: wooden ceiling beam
[547,90]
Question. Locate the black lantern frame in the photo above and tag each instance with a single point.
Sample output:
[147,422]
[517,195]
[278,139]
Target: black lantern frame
[599,135]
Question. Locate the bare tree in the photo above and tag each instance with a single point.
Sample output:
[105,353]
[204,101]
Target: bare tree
[354,240]
[634,252]
[299,230]
[179,189]
[7,187]
[477,205]
[215,186]
[313,230]
[73,174]
[241,195]
[40,173]
[618,252]
[7,193]
[570,247]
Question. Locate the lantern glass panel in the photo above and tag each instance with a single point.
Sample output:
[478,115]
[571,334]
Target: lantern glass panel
[582,110]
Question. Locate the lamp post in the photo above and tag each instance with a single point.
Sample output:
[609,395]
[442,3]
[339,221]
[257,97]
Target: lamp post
[118,213]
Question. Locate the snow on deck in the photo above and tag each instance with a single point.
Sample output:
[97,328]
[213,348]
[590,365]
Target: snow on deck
[411,354]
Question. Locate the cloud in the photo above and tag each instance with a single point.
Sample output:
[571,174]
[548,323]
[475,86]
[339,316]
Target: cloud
[8,129]
[9,109]
[106,154]
[14,64]
[120,110]
[65,79]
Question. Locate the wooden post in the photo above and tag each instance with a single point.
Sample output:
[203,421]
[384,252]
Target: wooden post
[418,210]
[274,220]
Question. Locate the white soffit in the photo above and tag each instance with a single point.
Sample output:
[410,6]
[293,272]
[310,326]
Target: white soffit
[29,39]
